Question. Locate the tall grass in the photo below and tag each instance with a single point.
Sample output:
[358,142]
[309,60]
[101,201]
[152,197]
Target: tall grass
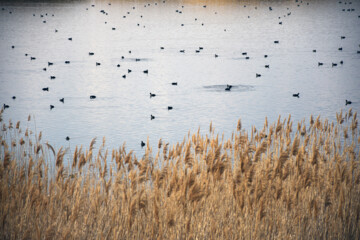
[284,181]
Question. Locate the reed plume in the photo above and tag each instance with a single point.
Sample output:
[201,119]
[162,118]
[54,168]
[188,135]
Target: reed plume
[271,183]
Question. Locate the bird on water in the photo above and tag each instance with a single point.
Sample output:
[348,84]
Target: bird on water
[228,87]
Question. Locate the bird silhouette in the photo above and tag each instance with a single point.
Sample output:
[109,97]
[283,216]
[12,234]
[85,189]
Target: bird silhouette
[228,88]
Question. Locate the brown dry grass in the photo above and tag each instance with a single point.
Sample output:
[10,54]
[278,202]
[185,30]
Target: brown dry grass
[281,182]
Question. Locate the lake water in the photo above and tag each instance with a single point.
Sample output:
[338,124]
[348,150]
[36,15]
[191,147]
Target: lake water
[122,108]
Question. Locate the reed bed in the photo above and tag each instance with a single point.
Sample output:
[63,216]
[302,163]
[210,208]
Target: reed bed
[284,181]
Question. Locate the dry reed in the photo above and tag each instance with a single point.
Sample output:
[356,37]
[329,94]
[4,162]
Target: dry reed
[277,183]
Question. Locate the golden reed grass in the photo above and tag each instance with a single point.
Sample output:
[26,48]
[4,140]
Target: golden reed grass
[280,182]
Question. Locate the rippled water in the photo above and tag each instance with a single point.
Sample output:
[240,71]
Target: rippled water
[229,29]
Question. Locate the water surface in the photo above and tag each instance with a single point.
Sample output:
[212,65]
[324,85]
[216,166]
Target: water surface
[229,29]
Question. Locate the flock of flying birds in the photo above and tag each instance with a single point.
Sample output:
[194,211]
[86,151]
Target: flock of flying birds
[228,87]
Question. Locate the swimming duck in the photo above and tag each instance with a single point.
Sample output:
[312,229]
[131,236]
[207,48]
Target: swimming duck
[228,87]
